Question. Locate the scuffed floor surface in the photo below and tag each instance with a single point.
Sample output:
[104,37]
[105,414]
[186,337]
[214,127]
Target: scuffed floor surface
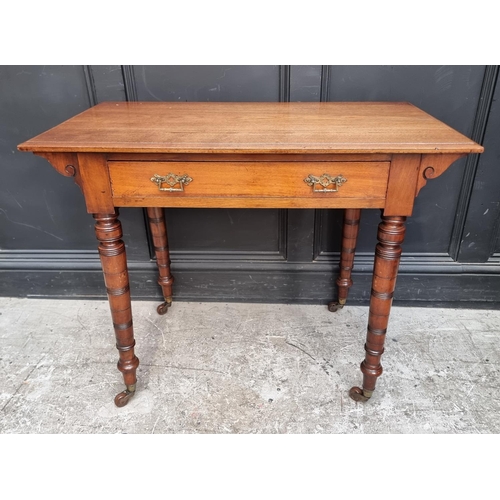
[246,368]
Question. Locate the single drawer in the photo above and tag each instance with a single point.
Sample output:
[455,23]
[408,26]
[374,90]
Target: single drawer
[249,184]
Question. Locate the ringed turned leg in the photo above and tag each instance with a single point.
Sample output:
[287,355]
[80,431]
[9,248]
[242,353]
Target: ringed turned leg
[390,236]
[114,266]
[160,242]
[350,230]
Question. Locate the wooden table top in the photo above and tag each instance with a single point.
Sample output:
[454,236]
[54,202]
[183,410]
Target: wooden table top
[246,127]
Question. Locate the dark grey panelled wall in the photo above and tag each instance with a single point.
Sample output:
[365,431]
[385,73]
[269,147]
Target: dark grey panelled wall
[47,244]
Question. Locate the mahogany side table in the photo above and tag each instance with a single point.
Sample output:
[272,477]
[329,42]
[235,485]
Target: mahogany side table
[251,155]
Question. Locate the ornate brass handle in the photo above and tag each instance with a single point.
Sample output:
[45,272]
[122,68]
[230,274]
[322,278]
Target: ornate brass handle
[171,180]
[325,180]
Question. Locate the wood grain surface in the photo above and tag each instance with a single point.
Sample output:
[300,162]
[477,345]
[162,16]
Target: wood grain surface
[216,127]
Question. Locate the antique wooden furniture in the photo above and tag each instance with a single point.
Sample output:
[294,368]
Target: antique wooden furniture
[251,155]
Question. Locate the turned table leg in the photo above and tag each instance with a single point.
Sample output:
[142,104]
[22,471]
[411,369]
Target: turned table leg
[390,236]
[114,266]
[350,230]
[159,232]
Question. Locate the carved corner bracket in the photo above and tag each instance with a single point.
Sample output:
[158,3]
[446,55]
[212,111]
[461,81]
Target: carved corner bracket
[432,166]
[65,163]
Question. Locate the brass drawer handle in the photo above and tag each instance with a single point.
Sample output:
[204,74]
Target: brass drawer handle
[171,180]
[325,180]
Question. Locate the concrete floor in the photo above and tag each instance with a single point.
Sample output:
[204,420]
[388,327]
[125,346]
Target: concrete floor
[246,368]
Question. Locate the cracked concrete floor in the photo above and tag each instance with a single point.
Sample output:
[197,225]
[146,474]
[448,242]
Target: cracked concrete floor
[246,368]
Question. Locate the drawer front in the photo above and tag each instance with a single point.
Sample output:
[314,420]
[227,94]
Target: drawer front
[246,184]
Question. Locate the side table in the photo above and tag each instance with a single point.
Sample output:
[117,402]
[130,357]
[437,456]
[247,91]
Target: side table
[351,156]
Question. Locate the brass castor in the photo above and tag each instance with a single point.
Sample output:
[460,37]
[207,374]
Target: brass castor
[163,308]
[335,306]
[359,395]
[122,398]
